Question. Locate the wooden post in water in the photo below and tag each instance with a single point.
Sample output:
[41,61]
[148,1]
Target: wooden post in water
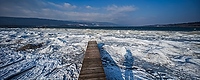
[92,68]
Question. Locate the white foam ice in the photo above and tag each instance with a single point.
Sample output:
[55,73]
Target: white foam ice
[143,54]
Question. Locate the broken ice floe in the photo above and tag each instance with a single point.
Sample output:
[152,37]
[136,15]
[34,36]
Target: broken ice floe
[128,54]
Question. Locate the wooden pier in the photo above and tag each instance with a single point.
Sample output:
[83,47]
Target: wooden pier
[92,68]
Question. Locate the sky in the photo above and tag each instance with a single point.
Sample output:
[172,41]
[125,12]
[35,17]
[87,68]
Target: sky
[123,12]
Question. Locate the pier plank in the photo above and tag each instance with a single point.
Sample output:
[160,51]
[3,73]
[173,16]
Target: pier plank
[92,68]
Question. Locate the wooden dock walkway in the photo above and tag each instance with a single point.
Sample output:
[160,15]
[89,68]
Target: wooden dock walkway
[92,68]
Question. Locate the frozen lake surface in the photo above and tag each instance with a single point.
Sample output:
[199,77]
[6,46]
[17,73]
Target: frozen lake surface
[126,54]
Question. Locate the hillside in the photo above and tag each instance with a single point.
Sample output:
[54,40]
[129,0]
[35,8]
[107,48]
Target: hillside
[37,22]
[189,24]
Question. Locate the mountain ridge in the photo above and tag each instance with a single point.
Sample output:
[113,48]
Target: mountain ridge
[41,22]
[19,21]
[186,24]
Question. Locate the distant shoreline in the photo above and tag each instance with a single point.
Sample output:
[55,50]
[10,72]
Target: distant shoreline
[17,22]
[146,28]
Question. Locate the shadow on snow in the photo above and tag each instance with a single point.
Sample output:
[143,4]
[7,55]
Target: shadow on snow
[112,70]
[128,63]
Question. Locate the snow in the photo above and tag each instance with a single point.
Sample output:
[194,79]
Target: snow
[126,54]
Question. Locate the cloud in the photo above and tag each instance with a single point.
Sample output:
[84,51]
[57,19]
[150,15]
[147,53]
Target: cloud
[55,5]
[119,9]
[64,11]
[74,15]
[67,5]
[88,7]
[91,8]
[63,6]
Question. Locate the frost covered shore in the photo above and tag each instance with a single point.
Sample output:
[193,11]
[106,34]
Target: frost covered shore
[127,54]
